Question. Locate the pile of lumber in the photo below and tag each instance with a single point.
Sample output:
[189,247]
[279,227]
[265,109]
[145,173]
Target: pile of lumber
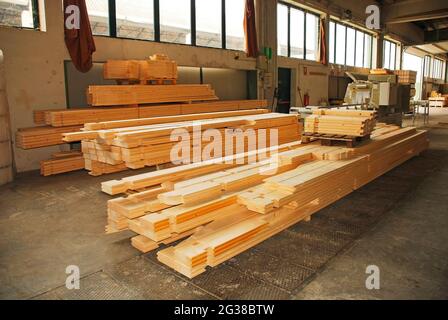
[226,207]
[406,76]
[381,71]
[438,100]
[341,122]
[105,96]
[80,116]
[62,162]
[158,68]
[136,100]
[57,122]
[38,137]
[137,143]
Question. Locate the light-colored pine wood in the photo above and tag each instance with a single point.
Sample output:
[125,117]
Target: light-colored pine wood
[105,96]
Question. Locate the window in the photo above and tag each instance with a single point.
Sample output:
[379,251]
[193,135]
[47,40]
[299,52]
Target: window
[99,16]
[427,66]
[332,41]
[297,32]
[351,38]
[389,55]
[175,21]
[415,63]
[135,19]
[282,30]
[234,24]
[312,36]
[359,57]
[209,23]
[438,69]
[350,46]
[19,13]
[340,44]
[368,43]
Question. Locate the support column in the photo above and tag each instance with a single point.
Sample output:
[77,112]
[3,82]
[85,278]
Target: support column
[267,38]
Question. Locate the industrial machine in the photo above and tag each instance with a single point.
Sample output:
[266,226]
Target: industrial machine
[381,93]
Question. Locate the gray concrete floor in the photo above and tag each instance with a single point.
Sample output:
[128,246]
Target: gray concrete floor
[398,222]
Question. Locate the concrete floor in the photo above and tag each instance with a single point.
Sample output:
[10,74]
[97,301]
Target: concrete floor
[398,222]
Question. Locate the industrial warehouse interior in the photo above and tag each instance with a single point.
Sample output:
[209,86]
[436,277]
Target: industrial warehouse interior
[235,150]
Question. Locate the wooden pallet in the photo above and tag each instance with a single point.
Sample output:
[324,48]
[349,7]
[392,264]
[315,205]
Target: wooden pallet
[333,139]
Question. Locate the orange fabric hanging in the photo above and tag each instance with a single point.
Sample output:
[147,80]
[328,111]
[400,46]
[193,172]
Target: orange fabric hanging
[323,43]
[250,29]
[79,42]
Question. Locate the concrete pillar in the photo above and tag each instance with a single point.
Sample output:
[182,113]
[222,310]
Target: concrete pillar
[6,169]
[267,38]
[379,51]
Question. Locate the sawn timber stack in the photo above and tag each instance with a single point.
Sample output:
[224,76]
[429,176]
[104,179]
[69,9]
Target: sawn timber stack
[151,142]
[226,208]
[105,96]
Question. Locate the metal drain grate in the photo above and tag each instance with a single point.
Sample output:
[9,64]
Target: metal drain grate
[152,281]
[270,269]
[98,286]
[230,284]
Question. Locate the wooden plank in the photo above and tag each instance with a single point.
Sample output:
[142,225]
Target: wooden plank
[103,96]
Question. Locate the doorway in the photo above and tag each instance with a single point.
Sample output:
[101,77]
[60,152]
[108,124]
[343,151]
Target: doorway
[284,90]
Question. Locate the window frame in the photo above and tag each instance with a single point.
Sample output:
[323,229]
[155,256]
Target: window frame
[112,11]
[391,43]
[305,12]
[427,65]
[437,68]
[36,18]
[364,33]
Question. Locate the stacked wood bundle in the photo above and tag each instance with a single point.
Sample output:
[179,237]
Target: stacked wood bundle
[381,71]
[341,122]
[38,137]
[158,68]
[406,76]
[105,96]
[62,162]
[149,143]
[80,116]
[227,208]
[438,101]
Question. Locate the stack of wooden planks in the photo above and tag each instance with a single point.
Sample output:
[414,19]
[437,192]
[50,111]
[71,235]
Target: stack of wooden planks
[80,116]
[227,207]
[158,68]
[406,76]
[137,143]
[106,96]
[38,137]
[57,122]
[341,122]
[62,162]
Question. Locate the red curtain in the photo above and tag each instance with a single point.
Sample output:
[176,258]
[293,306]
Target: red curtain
[250,29]
[323,43]
[79,42]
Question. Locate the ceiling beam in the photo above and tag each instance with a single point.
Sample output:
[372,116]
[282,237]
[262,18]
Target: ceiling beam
[436,36]
[414,10]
